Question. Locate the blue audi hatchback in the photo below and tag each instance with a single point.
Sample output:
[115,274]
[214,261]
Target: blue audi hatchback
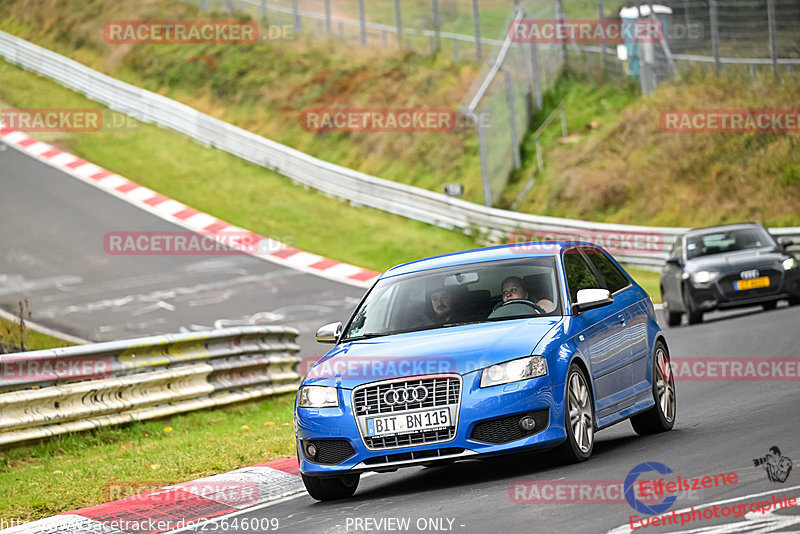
[527,346]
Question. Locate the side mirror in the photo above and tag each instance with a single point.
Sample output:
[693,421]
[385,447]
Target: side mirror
[329,333]
[786,242]
[674,260]
[589,299]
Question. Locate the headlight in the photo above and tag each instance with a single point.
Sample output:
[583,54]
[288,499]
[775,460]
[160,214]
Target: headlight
[789,264]
[513,371]
[317,397]
[703,277]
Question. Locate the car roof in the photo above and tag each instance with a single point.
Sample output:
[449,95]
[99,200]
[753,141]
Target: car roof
[478,255]
[722,228]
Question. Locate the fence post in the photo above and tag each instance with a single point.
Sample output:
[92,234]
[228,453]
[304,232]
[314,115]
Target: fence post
[536,78]
[601,17]
[204,5]
[362,18]
[562,20]
[328,17]
[773,45]
[264,16]
[563,120]
[398,19]
[512,118]
[712,5]
[476,18]
[437,27]
[341,30]
[298,25]
[487,187]
[456,55]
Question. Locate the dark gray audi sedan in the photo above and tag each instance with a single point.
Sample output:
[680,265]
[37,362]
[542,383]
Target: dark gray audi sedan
[724,267]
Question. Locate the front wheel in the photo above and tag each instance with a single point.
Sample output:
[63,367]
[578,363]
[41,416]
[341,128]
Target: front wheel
[673,317]
[769,306]
[660,417]
[331,488]
[695,316]
[579,418]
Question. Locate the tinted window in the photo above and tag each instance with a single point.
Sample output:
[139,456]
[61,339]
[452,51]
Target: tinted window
[611,275]
[579,274]
[727,241]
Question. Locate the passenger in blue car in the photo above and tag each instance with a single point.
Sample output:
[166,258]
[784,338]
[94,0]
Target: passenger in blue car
[513,288]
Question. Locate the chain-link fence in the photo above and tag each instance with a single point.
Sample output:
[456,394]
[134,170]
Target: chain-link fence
[717,34]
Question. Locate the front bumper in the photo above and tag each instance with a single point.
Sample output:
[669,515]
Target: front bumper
[536,397]
[720,294]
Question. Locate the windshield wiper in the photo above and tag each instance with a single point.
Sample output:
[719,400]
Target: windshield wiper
[367,336]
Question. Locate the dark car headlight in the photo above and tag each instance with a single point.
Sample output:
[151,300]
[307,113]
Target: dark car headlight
[317,397]
[789,264]
[513,371]
[703,277]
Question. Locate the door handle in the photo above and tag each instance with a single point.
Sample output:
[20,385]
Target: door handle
[621,319]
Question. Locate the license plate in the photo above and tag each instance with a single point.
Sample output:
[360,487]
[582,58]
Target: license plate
[755,283]
[408,422]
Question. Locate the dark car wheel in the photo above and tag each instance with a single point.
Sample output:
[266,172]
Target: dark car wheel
[673,317]
[660,417]
[794,301]
[695,316]
[578,418]
[331,488]
[769,305]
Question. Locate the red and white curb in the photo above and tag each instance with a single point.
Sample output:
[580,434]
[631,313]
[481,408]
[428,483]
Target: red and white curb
[189,504]
[185,216]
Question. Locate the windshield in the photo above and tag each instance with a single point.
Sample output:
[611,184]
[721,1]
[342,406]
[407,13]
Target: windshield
[489,291]
[727,241]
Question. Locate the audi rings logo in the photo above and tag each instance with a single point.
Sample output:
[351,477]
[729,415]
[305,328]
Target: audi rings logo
[405,395]
[746,275]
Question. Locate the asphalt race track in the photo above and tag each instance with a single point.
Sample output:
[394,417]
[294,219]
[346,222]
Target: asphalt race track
[53,227]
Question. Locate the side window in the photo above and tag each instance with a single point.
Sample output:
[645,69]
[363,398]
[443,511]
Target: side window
[611,275]
[579,274]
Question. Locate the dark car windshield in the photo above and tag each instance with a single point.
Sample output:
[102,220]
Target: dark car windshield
[458,295]
[727,241]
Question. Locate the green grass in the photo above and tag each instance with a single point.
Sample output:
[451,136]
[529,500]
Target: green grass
[10,338]
[233,190]
[77,470]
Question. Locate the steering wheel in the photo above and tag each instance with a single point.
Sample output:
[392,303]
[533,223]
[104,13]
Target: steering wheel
[533,305]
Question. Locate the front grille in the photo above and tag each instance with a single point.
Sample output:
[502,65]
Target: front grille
[329,451]
[418,455]
[369,400]
[726,285]
[506,429]
[443,391]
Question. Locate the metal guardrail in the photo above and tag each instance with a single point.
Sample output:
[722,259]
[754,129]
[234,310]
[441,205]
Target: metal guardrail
[637,245]
[49,392]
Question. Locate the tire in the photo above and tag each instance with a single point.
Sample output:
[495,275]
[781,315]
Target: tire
[769,306]
[695,316]
[331,488]
[578,418]
[673,318]
[794,301]
[661,417]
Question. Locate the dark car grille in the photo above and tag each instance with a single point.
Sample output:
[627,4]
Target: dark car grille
[368,400]
[417,455]
[726,285]
[506,429]
[443,391]
[329,451]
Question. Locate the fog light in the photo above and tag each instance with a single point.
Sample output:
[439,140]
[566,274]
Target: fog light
[311,450]
[527,423]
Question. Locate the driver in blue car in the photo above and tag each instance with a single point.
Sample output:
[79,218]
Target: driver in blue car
[514,289]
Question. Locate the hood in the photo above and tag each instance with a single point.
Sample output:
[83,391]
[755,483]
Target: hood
[737,260]
[459,349]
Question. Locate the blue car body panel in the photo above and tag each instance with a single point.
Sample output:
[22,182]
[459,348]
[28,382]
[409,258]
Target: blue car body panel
[613,343]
